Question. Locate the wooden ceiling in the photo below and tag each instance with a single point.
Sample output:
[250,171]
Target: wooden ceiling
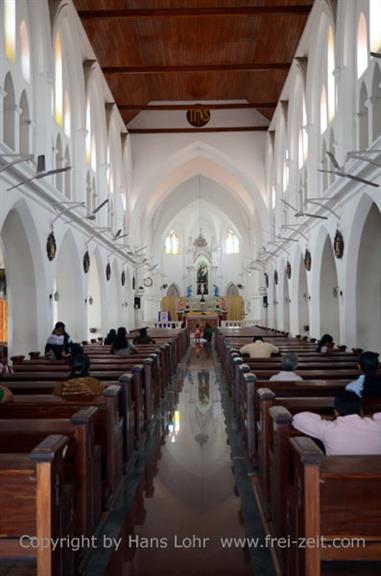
[176,50]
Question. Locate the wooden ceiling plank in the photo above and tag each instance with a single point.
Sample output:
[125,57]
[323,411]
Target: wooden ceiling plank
[126,13]
[254,66]
[227,106]
[196,130]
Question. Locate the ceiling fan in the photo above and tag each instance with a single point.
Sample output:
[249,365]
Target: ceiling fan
[362,156]
[300,214]
[41,172]
[119,235]
[16,159]
[91,216]
[340,171]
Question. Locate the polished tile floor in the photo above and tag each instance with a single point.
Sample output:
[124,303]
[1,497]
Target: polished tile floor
[192,505]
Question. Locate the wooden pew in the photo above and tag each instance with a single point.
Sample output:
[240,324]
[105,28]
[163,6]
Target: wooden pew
[307,370]
[34,501]
[249,411]
[279,433]
[267,399]
[22,434]
[128,407]
[334,497]
[108,427]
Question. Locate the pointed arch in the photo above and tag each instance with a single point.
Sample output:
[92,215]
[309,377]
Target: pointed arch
[67,174]
[69,281]
[59,162]
[363,128]
[232,290]
[24,126]
[376,103]
[26,288]
[173,290]
[368,285]
[9,112]
[329,293]
[300,294]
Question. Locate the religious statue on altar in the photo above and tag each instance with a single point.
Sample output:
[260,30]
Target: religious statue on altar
[202,279]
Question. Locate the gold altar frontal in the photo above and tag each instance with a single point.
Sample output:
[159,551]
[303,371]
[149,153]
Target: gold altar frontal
[201,318]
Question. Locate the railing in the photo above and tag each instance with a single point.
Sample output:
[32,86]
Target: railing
[237,323]
[167,325]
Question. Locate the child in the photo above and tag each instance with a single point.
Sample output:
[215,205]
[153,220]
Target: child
[197,334]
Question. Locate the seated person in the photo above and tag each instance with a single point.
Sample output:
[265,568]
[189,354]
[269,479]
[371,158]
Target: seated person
[79,362]
[287,367]
[110,337]
[208,332]
[59,343]
[259,349]
[143,337]
[5,394]
[326,344]
[121,345]
[349,432]
[368,384]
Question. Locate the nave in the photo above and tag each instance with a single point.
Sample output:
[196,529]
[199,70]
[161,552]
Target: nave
[201,464]
[187,477]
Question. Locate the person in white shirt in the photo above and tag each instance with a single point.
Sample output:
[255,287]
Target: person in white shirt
[349,433]
[259,349]
[287,367]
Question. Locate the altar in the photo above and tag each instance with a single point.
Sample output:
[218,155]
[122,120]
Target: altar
[201,319]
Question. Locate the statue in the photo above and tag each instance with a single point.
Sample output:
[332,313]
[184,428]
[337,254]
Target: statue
[216,291]
[189,291]
[202,279]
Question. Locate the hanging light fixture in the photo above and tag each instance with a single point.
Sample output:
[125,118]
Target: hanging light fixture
[200,241]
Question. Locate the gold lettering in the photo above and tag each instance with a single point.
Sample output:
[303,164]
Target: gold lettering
[198,116]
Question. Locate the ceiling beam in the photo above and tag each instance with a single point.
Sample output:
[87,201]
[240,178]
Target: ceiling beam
[221,106]
[254,66]
[130,13]
[197,130]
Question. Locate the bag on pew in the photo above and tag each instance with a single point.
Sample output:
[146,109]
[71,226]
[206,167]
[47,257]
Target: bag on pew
[76,388]
[5,395]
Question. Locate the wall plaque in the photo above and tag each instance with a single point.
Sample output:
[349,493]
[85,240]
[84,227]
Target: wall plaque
[338,244]
[51,246]
[86,262]
[198,117]
[307,260]
[288,270]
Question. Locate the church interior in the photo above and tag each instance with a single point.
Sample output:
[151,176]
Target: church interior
[190,287]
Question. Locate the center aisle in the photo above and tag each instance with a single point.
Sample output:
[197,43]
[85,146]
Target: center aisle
[193,504]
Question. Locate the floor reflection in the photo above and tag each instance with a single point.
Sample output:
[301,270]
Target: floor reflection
[185,503]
